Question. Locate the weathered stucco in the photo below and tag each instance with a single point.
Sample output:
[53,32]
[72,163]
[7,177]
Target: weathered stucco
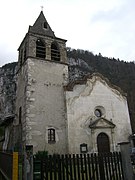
[81,104]
[43,102]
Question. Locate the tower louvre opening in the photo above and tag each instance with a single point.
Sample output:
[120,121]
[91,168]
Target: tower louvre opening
[55,52]
[40,49]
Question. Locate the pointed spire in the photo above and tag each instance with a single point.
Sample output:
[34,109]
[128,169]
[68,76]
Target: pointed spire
[41,26]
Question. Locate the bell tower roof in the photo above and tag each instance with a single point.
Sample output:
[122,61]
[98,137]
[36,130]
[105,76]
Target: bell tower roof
[41,26]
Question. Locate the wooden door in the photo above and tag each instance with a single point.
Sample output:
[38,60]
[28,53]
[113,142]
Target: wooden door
[103,143]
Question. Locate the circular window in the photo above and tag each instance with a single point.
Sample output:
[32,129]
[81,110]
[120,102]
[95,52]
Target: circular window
[98,113]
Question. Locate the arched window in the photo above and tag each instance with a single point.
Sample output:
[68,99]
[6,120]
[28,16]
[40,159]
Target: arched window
[55,52]
[51,135]
[103,143]
[40,49]
[45,25]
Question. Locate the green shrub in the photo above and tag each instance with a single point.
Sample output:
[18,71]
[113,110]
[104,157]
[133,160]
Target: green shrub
[41,155]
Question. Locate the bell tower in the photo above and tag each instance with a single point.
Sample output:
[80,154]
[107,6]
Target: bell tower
[40,102]
[41,43]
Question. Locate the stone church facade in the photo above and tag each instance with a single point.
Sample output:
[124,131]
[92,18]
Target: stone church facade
[59,116]
[97,115]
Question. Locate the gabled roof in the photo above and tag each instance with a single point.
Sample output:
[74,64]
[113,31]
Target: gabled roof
[101,123]
[70,85]
[41,26]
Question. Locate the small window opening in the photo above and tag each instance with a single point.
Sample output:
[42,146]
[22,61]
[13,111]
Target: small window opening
[55,53]
[20,115]
[25,53]
[51,135]
[0,107]
[40,49]
[21,57]
[98,113]
[45,25]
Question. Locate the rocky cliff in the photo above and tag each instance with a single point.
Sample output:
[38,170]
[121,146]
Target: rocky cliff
[7,89]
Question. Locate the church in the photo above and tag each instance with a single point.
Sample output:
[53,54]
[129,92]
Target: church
[59,116]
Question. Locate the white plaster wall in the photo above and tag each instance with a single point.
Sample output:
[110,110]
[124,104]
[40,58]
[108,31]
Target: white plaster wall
[81,103]
[46,105]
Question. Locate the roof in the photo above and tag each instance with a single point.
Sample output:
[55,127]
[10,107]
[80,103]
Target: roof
[41,26]
[70,85]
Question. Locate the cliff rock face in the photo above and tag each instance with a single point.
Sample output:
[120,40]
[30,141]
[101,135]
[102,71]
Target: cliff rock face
[78,68]
[7,89]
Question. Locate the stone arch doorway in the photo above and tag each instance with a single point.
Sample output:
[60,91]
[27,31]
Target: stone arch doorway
[103,143]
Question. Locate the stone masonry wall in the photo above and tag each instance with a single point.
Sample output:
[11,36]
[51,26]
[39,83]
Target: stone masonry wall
[45,103]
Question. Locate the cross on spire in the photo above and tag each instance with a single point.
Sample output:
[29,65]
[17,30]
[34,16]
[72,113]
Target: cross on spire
[42,7]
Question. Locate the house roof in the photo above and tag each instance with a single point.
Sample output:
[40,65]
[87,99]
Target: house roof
[70,85]
[41,26]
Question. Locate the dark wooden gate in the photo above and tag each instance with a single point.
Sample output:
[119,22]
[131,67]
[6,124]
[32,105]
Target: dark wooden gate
[80,167]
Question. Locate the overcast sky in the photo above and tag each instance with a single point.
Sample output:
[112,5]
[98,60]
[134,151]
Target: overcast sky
[105,26]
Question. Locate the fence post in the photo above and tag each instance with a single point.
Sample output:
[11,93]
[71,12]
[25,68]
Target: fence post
[101,166]
[29,162]
[15,166]
[126,161]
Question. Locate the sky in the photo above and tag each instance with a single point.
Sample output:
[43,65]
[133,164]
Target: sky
[100,26]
